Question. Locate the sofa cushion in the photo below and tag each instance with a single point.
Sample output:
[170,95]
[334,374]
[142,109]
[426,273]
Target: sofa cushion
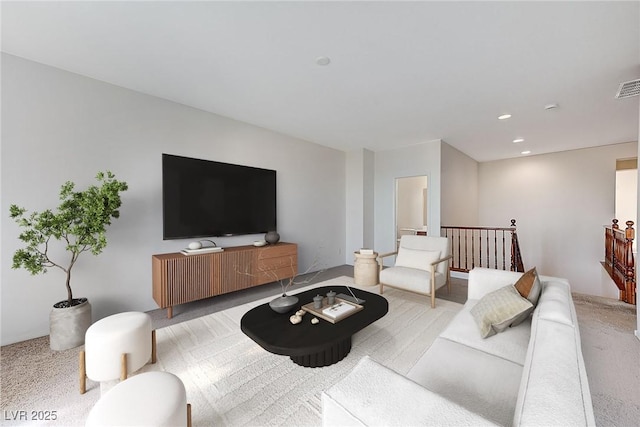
[415,258]
[529,286]
[555,302]
[497,310]
[510,345]
[485,280]
[482,383]
[554,388]
[372,394]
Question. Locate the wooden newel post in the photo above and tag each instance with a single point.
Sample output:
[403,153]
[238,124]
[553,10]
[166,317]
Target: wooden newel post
[619,260]
[516,255]
[630,233]
[630,284]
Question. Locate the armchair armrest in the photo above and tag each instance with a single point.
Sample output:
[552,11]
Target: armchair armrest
[380,256]
[434,263]
[433,278]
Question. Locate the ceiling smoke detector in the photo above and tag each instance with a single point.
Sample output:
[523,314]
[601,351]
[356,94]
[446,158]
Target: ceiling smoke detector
[323,60]
[628,89]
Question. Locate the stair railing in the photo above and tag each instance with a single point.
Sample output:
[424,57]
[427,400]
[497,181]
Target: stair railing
[619,261]
[491,247]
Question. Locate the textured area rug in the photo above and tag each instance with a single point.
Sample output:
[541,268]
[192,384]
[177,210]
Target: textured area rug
[230,380]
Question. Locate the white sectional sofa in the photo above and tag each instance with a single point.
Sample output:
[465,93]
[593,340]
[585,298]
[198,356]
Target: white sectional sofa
[532,374]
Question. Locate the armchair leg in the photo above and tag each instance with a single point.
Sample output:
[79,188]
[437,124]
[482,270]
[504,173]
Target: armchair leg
[381,290]
[188,414]
[433,287]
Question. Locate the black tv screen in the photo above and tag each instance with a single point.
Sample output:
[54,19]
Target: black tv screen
[202,198]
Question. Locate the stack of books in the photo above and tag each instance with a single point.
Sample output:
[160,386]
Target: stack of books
[338,310]
[209,249]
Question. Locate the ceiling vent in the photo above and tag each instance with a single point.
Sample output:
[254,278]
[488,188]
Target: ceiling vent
[628,89]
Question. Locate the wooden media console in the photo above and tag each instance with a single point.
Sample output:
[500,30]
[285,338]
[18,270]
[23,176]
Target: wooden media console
[178,278]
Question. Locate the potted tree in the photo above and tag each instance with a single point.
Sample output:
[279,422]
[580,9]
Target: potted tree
[79,223]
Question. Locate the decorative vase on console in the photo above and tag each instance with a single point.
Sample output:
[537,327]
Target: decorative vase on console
[272,237]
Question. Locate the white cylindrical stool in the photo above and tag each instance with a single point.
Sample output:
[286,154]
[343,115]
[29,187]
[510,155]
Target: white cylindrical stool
[117,346]
[365,269]
[149,399]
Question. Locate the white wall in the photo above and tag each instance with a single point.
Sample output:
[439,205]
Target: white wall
[459,182]
[60,126]
[421,159]
[561,202]
[359,202]
[626,197]
[369,160]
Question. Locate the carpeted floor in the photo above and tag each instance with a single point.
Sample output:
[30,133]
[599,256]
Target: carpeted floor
[612,358]
[34,378]
[232,381]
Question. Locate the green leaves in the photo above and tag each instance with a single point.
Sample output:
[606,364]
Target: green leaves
[79,222]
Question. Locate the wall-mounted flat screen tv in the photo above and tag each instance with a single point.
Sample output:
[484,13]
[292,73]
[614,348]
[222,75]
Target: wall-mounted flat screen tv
[202,198]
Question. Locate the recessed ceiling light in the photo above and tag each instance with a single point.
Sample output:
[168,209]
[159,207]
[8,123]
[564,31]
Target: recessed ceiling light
[504,116]
[526,152]
[323,60]
[518,140]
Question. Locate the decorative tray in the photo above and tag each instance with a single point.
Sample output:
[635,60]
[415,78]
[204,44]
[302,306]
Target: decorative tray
[333,313]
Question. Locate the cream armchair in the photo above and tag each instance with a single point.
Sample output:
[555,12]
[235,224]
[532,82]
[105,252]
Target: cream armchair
[422,266]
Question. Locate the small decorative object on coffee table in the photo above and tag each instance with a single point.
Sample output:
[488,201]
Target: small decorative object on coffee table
[335,312]
[283,304]
[331,297]
[308,343]
[317,301]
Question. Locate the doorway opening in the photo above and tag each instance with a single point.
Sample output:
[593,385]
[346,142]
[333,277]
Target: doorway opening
[411,206]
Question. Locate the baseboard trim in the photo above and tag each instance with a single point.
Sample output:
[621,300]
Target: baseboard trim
[460,275]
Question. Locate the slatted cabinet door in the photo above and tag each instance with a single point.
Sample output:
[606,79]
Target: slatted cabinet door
[178,278]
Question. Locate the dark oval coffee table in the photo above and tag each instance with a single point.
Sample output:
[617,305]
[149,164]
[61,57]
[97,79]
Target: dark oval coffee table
[307,344]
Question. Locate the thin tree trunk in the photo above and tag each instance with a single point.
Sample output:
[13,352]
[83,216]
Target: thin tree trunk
[69,293]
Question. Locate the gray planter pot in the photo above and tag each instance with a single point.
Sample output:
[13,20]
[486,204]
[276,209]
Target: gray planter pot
[68,325]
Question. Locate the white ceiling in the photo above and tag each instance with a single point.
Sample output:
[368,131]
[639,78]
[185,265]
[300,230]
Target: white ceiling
[401,73]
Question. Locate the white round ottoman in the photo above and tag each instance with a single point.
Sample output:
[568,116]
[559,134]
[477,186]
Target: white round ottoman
[117,346]
[150,399]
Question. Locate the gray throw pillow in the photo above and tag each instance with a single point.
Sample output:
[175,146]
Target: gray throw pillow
[498,309]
